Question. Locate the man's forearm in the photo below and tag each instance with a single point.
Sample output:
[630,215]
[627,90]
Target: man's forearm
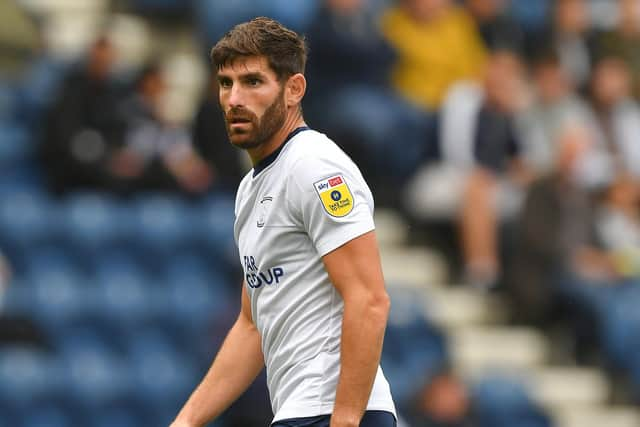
[235,367]
[363,328]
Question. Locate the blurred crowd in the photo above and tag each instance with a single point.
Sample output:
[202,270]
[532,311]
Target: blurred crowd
[516,124]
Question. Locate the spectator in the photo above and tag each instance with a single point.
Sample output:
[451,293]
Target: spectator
[347,32]
[19,39]
[155,155]
[480,178]
[211,142]
[354,101]
[82,123]
[496,27]
[618,226]
[437,43]
[623,41]
[443,402]
[556,235]
[554,104]
[570,37]
[617,114]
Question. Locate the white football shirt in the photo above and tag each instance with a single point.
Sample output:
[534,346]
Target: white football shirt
[298,204]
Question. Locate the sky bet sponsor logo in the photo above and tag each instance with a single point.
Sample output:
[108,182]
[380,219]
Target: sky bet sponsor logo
[256,279]
[335,195]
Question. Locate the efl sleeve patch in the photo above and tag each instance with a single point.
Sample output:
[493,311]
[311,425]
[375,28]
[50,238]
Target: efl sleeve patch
[335,195]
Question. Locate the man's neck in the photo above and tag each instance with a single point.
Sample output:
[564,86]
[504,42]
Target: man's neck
[292,122]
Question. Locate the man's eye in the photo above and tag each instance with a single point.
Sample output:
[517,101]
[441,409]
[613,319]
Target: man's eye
[225,84]
[254,82]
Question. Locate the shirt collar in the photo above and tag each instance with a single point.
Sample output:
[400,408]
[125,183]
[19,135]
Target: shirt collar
[264,163]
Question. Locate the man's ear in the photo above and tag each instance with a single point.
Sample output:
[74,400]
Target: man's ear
[295,88]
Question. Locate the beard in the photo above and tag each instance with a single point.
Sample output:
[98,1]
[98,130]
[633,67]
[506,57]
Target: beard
[260,129]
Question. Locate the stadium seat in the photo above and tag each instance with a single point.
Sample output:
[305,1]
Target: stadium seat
[93,222]
[8,418]
[216,17]
[26,374]
[500,401]
[214,222]
[27,220]
[122,293]
[414,348]
[296,16]
[47,416]
[193,298]
[116,415]
[8,100]
[531,15]
[159,374]
[59,294]
[93,372]
[39,88]
[44,260]
[621,327]
[163,226]
[17,147]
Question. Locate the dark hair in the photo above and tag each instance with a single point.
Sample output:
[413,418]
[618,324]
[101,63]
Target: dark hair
[284,49]
[548,57]
[150,69]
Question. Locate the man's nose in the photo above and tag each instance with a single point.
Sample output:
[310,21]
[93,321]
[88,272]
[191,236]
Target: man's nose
[235,96]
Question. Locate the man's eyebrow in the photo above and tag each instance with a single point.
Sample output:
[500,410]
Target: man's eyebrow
[253,75]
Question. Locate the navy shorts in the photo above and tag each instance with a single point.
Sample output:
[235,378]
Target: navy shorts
[370,419]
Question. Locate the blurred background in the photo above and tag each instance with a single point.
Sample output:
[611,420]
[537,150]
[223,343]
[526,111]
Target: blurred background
[502,143]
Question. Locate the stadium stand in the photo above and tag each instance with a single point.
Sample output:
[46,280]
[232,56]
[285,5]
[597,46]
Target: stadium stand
[131,296]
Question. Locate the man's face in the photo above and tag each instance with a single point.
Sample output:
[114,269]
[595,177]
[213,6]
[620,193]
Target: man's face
[252,101]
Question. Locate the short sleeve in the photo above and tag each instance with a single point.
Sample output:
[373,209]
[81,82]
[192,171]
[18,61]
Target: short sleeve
[331,201]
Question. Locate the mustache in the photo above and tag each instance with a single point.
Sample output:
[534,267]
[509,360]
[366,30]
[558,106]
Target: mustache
[239,114]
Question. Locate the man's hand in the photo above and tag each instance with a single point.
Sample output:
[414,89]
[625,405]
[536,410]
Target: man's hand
[339,420]
[178,423]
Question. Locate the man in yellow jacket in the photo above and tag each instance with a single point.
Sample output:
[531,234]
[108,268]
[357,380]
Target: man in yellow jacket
[437,44]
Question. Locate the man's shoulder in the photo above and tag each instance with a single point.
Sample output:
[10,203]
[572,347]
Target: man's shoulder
[313,147]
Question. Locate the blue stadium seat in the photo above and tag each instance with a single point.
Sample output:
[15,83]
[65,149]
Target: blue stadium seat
[45,260]
[93,372]
[8,416]
[18,298]
[8,100]
[59,294]
[214,222]
[414,349]
[531,15]
[47,416]
[93,222]
[500,401]
[122,415]
[27,220]
[160,374]
[39,88]
[296,16]
[193,298]
[163,226]
[123,292]
[216,17]
[621,327]
[26,374]
[17,147]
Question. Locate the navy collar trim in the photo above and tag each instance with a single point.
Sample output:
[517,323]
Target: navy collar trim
[267,161]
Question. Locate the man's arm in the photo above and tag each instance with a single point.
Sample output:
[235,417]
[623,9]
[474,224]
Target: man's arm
[355,271]
[237,364]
